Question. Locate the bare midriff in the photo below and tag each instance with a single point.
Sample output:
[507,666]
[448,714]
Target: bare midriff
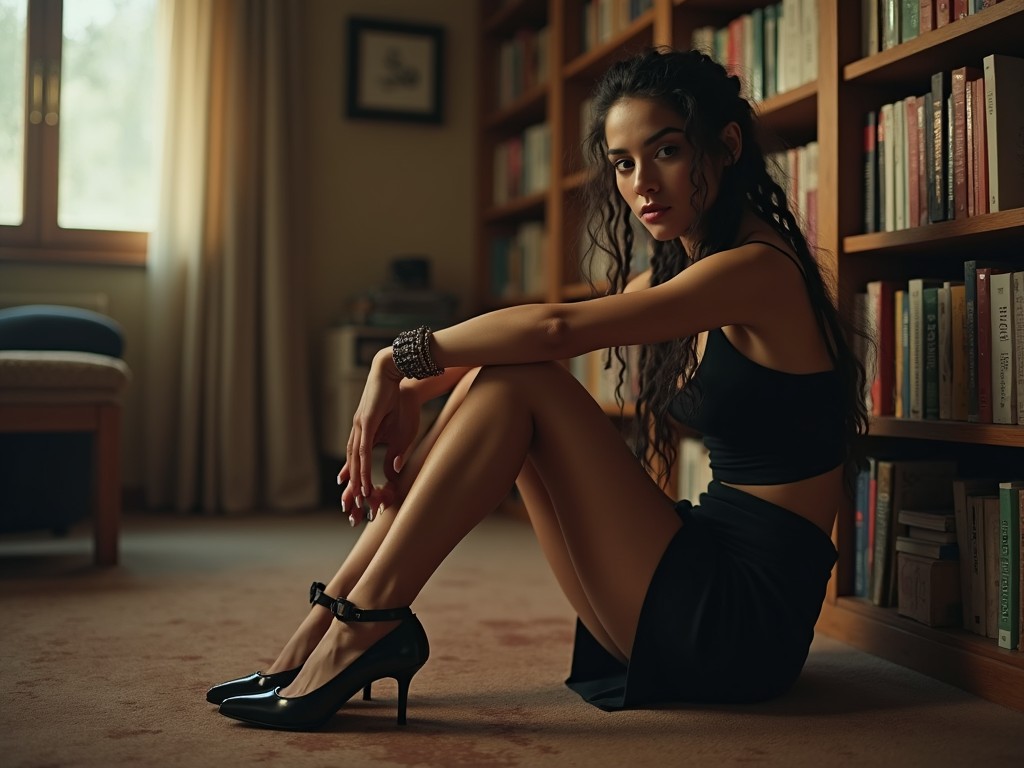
[816,498]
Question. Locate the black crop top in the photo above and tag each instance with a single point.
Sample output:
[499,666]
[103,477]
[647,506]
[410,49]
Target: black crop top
[762,426]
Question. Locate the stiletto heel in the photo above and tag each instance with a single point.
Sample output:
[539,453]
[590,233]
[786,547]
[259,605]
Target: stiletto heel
[399,654]
[257,682]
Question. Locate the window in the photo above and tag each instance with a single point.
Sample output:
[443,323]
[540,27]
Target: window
[78,128]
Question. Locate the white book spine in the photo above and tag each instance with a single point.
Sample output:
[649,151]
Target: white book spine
[889,150]
[1018,341]
[1004,405]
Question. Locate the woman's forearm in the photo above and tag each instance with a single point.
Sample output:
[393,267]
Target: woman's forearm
[427,389]
[524,334]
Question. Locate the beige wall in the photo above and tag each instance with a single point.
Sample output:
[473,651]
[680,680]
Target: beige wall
[376,190]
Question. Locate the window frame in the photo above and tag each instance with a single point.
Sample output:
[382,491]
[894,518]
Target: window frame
[39,239]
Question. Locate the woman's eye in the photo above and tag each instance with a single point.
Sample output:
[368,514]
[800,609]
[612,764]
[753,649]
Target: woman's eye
[666,151]
[623,165]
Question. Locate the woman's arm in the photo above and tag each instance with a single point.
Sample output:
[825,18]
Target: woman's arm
[736,287]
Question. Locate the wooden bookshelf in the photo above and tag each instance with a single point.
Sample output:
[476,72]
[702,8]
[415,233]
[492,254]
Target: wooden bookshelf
[830,109]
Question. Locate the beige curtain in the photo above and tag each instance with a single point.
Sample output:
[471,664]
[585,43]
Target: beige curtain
[229,424]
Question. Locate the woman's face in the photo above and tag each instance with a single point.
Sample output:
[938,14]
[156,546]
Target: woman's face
[653,165]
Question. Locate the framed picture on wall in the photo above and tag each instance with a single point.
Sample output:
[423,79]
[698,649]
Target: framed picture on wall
[395,70]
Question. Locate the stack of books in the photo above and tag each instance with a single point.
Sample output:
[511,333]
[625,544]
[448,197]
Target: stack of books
[928,567]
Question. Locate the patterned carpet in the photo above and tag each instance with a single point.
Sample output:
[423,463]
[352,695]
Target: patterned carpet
[110,668]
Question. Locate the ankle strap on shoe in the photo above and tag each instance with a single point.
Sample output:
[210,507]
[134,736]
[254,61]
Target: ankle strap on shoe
[316,595]
[344,610]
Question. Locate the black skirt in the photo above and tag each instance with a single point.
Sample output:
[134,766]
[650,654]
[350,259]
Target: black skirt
[730,612]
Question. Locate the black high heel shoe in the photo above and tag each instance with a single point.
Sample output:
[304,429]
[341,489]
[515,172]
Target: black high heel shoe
[399,655]
[257,682]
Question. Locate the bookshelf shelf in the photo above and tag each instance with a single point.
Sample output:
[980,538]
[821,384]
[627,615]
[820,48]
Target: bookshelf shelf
[1005,435]
[520,208]
[528,108]
[943,236]
[954,656]
[792,111]
[830,109]
[998,29]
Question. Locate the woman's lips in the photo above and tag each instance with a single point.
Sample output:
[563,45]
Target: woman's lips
[651,214]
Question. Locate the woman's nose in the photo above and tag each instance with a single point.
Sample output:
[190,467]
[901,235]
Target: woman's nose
[644,180]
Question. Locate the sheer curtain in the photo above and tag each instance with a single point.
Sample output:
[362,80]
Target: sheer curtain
[229,425]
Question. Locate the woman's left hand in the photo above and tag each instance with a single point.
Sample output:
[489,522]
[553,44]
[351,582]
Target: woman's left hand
[385,416]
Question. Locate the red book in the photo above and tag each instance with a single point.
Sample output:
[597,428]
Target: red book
[960,145]
[943,12]
[980,148]
[984,315]
[926,16]
[960,9]
[881,307]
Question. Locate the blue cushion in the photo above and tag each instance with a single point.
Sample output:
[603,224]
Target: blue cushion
[46,326]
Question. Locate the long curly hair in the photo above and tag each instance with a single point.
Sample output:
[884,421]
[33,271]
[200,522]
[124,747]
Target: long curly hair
[707,99]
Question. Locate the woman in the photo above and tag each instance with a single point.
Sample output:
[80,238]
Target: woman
[715,602]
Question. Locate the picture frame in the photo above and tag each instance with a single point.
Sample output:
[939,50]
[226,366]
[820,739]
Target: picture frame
[395,70]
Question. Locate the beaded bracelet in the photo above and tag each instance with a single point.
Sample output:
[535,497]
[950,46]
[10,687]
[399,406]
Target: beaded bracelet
[411,352]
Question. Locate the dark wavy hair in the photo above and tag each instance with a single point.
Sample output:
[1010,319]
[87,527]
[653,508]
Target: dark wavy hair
[707,99]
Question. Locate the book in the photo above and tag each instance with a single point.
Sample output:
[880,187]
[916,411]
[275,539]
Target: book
[903,484]
[980,176]
[971,324]
[887,168]
[1004,389]
[958,353]
[939,147]
[991,544]
[929,590]
[976,553]
[910,21]
[983,311]
[870,27]
[1004,125]
[965,490]
[930,352]
[912,163]
[927,534]
[860,532]
[932,519]
[882,365]
[961,147]
[871,172]
[903,361]
[945,349]
[1018,342]
[1008,632]
[917,344]
[932,549]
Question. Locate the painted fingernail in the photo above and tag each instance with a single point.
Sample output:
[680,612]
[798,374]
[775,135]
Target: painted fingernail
[369,516]
[343,509]
[365,492]
[352,521]
[380,509]
[339,479]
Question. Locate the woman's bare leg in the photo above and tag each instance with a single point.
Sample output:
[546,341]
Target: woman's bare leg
[613,518]
[313,626]
[552,543]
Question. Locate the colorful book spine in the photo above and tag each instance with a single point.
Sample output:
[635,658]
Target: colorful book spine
[1008,634]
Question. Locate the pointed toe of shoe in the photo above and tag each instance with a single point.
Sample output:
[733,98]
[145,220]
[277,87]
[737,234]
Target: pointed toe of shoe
[271,710]
[255,683]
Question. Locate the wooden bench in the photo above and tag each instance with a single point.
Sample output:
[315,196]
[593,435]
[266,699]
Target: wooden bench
[56,391]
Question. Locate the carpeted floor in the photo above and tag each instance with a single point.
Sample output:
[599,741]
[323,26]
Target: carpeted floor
[110,668]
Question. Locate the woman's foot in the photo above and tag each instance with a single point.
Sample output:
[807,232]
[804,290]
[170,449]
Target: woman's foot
[338,648]
[303,641]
